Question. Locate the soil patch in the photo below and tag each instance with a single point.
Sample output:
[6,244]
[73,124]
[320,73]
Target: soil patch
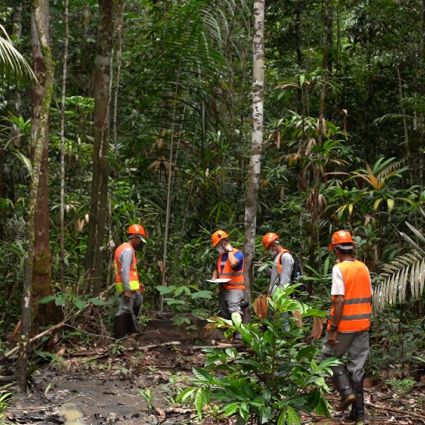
[133,382]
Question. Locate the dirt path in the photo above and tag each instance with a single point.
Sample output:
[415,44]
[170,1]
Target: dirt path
[133,383]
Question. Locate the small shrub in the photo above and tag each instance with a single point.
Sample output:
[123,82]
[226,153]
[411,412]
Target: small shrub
[274,378]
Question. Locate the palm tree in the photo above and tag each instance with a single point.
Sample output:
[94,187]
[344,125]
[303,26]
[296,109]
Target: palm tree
[12,64]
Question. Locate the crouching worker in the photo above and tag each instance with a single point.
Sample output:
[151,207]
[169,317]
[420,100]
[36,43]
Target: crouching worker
[349,324]
[230,267]
[127,284]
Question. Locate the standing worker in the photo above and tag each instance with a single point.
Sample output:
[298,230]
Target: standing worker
[283,262]
[229,265]
[127,283]
[349,324]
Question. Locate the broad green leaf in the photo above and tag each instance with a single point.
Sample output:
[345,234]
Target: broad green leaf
[186,394]
[201,294]
[164,289]
[201,374]
[47,299]
[377,203]
[96,301]
[390,204]
[59,300]
[200,401]
[292,416]
[80,303]
[230,409]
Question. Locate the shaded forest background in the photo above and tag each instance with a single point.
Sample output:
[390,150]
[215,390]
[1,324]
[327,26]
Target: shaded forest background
[343,148]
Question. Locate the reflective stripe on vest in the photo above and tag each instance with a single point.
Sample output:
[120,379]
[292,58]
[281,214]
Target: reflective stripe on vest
[357,307]
[279,260]
[226,272]
[133,276]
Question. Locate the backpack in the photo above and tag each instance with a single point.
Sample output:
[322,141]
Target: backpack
[296,275]
[297,270]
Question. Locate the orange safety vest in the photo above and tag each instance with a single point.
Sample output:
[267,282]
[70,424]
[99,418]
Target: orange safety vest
[134,283]
[357,307]
[236,277]
[279,262]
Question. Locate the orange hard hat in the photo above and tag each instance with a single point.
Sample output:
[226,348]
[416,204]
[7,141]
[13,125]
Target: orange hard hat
[137,230]
[269,238]
[340,237]
[217,236]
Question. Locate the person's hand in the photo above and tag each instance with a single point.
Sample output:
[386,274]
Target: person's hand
[229,248]
[128,294]
[332,338]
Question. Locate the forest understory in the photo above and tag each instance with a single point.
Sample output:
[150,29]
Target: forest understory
[133,382]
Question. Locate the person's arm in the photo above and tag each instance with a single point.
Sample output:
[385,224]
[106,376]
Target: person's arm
[126,259]
[215,274]
[287,262]
[235,260]
[338,300]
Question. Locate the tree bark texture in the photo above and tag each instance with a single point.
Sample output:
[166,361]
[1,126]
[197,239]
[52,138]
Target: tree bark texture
[62,134]
[99,188]
[44,68]
[254,168]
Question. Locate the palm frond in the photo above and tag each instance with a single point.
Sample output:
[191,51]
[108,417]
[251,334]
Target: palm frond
[12,64]
[403,279]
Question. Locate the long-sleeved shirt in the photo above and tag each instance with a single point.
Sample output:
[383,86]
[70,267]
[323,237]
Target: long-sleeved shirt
[276,280]
[126,258]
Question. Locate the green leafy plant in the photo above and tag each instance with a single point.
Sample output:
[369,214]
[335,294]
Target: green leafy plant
[4,397]
[147,395]
[401,385]
[74,300]
[274,378]
[185,299]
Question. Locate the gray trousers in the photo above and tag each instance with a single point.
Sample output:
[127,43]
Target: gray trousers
[356,348]
[129,305]
[229,301]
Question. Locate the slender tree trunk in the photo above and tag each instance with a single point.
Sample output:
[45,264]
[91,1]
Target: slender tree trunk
[403,112]
[99,187]
[119,28]
[169,186]
[42,262]
[44,69]
[254,168]
[62,134]
[328,35]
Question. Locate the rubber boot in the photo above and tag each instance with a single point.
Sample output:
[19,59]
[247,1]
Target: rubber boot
[359,415]
[120,326]
[133,325]
[343,385]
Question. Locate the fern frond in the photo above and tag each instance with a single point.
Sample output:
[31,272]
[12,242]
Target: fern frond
[404,273]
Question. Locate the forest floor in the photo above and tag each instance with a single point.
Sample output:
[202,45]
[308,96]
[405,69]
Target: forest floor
[133,382]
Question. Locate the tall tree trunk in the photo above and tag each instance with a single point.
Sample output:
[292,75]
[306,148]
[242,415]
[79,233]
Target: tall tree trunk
[62,134]
[254,168]
[44,70]
[42,262]
[99,187]
[328,35]
[119,29]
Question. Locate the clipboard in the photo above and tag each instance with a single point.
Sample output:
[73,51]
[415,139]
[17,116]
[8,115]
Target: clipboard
[221,280]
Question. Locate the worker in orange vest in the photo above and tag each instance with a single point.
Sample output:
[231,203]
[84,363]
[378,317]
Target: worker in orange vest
[349,323]
[127,284]
[283,262]
[229,267]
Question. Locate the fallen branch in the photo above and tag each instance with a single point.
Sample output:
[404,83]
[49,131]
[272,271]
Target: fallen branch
[54,327]
[102,353]
[46,407]
[401,412]
[36,337]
